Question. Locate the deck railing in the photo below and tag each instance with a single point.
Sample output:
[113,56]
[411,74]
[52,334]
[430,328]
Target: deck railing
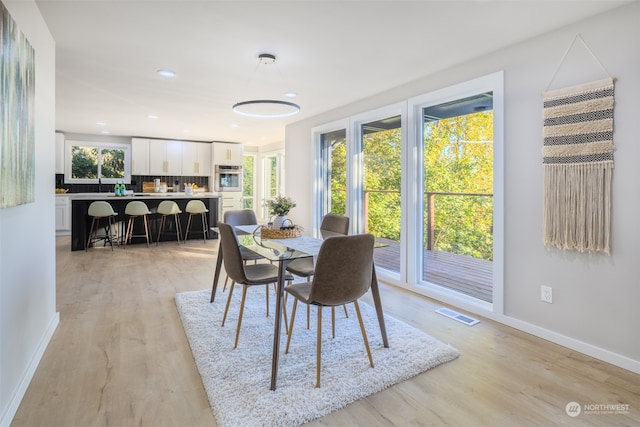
[430,210]
[460,271]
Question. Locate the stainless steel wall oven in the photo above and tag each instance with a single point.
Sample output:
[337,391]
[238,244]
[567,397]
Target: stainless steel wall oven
[228,178]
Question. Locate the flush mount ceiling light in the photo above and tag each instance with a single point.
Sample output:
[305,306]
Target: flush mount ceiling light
[167,73]
[268,108]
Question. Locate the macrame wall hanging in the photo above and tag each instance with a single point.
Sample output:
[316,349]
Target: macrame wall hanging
[578,164]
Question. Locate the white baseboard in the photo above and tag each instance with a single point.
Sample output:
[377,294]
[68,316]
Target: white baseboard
[574,344]
[7,417]
[483,309]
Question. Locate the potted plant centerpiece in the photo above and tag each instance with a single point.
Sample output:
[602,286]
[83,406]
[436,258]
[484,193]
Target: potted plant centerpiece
[280,206]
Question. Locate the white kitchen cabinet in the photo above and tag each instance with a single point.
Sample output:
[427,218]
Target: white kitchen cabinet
[63,215]
[59,152]
[227,154]
[139,156]
[165,157]
[196,159]
[231,201]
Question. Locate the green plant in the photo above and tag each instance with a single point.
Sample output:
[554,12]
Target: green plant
[281,205]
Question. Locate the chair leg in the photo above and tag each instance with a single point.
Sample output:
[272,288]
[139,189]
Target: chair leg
[118,235]
[226,309]
[364,334]
[225,283]
[284,314]
[186,234]
[205,228]
[107,231]
[146,228]
[91,231]
[109,235]
[333,322]
[160,227]
[308,306]
[127,233]
[346,313]
[319,347]
[284,309]
[244,296]
[293,318]
[266,288]
[178,228]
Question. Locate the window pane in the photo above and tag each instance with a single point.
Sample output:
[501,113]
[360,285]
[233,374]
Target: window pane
[84,162]
[382,161]
[112,163]
[458,194]
[272,171]
[248,172]
[334,148]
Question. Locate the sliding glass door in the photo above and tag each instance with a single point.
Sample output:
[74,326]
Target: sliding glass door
[457,250]
[425,177]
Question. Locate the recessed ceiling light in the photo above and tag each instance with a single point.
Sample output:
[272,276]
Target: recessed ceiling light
[104,131]
[290,94]
[152,116]
[101,123]
[167,73]
[235,125]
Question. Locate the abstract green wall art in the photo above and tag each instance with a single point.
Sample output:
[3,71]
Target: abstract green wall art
[17,92]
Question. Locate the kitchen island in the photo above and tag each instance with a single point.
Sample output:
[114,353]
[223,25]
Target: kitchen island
[81,221]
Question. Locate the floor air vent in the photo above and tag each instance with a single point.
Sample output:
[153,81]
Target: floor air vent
[457,316]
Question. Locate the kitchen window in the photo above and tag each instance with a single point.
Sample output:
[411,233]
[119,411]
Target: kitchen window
[91,161]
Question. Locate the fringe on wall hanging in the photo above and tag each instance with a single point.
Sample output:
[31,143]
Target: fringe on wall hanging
[578,166]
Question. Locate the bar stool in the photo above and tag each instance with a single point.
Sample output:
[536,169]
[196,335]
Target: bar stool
[169,208]
[99,211]
[136,209]
[197,207]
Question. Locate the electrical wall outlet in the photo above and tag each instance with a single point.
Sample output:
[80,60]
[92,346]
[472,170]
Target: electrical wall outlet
[546,294]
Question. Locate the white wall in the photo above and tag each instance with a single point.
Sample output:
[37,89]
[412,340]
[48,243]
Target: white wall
[595,296]
[28,314]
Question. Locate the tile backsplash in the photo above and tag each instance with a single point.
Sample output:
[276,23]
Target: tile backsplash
[136,183]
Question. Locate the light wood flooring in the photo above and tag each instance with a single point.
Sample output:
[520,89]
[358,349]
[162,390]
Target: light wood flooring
[119,357]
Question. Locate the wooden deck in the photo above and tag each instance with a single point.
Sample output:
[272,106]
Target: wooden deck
[470,276]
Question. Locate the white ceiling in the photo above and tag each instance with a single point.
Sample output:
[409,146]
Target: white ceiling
[331,53]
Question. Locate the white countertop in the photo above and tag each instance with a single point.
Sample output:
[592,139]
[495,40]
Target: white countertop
[108,196]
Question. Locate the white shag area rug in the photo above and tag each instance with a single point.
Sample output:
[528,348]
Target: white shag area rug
[237,381]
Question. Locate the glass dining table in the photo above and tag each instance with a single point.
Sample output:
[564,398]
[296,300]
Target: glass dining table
[283,251]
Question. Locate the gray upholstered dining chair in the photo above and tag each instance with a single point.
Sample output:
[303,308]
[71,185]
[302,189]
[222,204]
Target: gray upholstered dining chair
[242,217]
[331,223]
[245,275]
[342,275]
